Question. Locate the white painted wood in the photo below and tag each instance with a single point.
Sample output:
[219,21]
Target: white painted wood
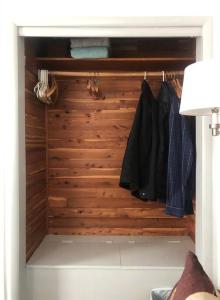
[115,31]
[204,224]
[128,252]
[216,209]
[113,26]
[2,193]
[22,169]
[203,194]
[93,268]
[10,155]
[12,115]
[97,284]
[2,233]
[111,22]
[215,178]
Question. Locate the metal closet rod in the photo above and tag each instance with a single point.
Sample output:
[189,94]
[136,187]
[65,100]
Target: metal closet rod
[115,74]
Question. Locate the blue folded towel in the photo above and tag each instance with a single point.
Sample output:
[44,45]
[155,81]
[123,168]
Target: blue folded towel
[89,52]
[89,42]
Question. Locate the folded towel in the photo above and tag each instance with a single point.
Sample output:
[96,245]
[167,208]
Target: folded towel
[89,52]
[89,42]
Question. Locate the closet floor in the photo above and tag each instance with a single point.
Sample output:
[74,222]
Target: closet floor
[117,252]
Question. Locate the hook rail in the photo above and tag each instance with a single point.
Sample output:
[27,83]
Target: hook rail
[113,74]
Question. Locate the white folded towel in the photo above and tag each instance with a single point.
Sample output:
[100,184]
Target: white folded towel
[89,42]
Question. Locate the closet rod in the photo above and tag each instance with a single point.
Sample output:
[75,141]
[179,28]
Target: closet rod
[114,74]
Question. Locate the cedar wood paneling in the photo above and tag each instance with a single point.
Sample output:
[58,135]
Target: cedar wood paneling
[86,142]
[36,188]
[84,146]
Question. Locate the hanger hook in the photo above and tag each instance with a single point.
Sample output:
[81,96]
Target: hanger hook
[163,75]
[145,75]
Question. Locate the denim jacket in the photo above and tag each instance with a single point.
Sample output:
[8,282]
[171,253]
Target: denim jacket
[181,161]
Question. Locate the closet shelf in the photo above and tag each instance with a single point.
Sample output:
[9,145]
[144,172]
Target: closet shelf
[122,64]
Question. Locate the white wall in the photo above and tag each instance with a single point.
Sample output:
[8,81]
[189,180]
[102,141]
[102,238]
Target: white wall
[114,8]
[215,173]
[215,178]
[13,171]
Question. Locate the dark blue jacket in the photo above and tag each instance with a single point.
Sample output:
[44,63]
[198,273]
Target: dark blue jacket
[163,140]
[181,161]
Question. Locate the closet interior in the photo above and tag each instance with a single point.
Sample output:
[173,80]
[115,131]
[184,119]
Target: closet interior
[75,147]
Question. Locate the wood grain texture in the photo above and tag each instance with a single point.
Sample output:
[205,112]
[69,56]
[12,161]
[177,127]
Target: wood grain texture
[74,160]
[115,222]
[99,202]
[152,64]
[87,138]
[36,192]
[118,231]
[190,222]
[130,213]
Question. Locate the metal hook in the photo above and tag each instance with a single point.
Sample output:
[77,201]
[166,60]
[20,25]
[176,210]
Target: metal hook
[145,75]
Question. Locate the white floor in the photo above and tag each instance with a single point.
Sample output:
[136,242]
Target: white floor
[105,267]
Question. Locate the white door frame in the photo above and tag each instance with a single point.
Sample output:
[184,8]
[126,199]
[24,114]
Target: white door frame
[13,162]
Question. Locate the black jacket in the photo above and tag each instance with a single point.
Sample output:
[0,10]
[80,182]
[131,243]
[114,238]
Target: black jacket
[139,165]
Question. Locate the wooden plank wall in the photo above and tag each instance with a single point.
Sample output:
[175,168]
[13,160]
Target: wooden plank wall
[36,188]
[86,142]
[85,146]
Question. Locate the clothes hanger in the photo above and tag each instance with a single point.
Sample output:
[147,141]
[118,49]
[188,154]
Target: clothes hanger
[163,76]
[173,83]
[46,92]
[53,88]
[177,86]
[88,84]
[96,86]
[93,85]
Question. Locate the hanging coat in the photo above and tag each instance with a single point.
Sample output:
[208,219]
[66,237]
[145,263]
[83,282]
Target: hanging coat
[181,161]
[139,165]
[164,100]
